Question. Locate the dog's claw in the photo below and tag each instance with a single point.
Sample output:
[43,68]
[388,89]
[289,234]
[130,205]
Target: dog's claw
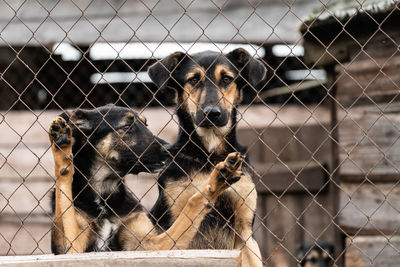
[60,132]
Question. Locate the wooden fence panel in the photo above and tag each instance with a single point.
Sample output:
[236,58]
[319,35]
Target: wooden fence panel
[215,258]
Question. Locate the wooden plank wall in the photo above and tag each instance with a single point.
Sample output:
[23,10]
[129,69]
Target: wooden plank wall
[152,21]
[293,202]
[369,152]
[289,148]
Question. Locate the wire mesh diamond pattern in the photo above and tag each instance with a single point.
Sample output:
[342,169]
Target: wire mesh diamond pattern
[320,130]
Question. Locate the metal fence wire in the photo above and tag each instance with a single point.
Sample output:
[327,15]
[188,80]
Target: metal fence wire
[321,130]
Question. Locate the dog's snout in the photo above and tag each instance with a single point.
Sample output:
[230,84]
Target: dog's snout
[212,112]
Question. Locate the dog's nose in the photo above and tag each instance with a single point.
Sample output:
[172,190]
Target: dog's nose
[212,112]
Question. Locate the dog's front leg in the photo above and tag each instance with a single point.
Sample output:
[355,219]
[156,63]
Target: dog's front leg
[65,220]
[182,231]
[244,241]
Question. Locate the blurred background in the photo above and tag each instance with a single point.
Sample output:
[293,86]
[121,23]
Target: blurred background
[322,130]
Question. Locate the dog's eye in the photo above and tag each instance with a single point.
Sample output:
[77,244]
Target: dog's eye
[227,79]
[126,127]
[313,260]
[193,81]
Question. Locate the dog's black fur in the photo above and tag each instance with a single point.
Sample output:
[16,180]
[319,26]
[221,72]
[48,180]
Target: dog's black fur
[134,149]
[213,82]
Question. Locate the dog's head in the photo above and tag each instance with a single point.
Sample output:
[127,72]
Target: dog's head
[119,136]
[208,84]
[316,255]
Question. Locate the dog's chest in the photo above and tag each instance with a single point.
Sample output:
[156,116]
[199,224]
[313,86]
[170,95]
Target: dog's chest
[217,224]
[178,192]
[106,229]
[217,228]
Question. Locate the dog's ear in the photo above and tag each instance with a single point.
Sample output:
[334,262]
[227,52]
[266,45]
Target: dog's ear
[252,70]
[161,71]
[77,119]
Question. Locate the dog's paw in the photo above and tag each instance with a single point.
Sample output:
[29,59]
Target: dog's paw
[60,133]
[229,171]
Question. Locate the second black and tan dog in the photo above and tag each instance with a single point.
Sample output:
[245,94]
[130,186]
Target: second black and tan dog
[93,210]
[208,86]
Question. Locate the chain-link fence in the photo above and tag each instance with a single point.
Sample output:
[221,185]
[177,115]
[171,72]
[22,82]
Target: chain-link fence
[321,129]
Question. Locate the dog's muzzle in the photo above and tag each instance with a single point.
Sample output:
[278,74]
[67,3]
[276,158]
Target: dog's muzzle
[211,116]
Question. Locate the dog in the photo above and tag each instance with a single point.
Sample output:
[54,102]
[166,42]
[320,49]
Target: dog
[208,87]
[93,210]
[316,255]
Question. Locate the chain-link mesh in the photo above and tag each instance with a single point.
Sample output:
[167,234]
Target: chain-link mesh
[321,130]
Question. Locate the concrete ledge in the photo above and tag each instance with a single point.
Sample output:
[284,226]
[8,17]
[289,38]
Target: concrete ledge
[166,258]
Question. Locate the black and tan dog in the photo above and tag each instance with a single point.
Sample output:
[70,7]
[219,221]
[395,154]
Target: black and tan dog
[319,254]
[208,86]
[93,210]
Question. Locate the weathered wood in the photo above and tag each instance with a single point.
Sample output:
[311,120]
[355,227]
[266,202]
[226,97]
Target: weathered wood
[317,218]
[152,21]
[344,46]
[20,163]
[368,77]
[370,209]
[140,258]
[283,234]
[373,251]
[294,178]
[252,139]
[368,143]
[287,221]
[297,142]
[31,236]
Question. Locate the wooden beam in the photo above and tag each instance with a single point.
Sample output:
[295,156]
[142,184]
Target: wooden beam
[137,259]
[369,147]
[289,89]
[277,178]
[373,251]
[369,209]
[84,22]
[369,77]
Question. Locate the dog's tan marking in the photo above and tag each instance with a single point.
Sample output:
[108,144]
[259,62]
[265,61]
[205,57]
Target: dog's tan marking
[312,257]
[229,97]
[65,217]
[197,71]
[213,138]
[245,196]
[221,70]
[143,119]
[128,120]
[191,96]
[106,145]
